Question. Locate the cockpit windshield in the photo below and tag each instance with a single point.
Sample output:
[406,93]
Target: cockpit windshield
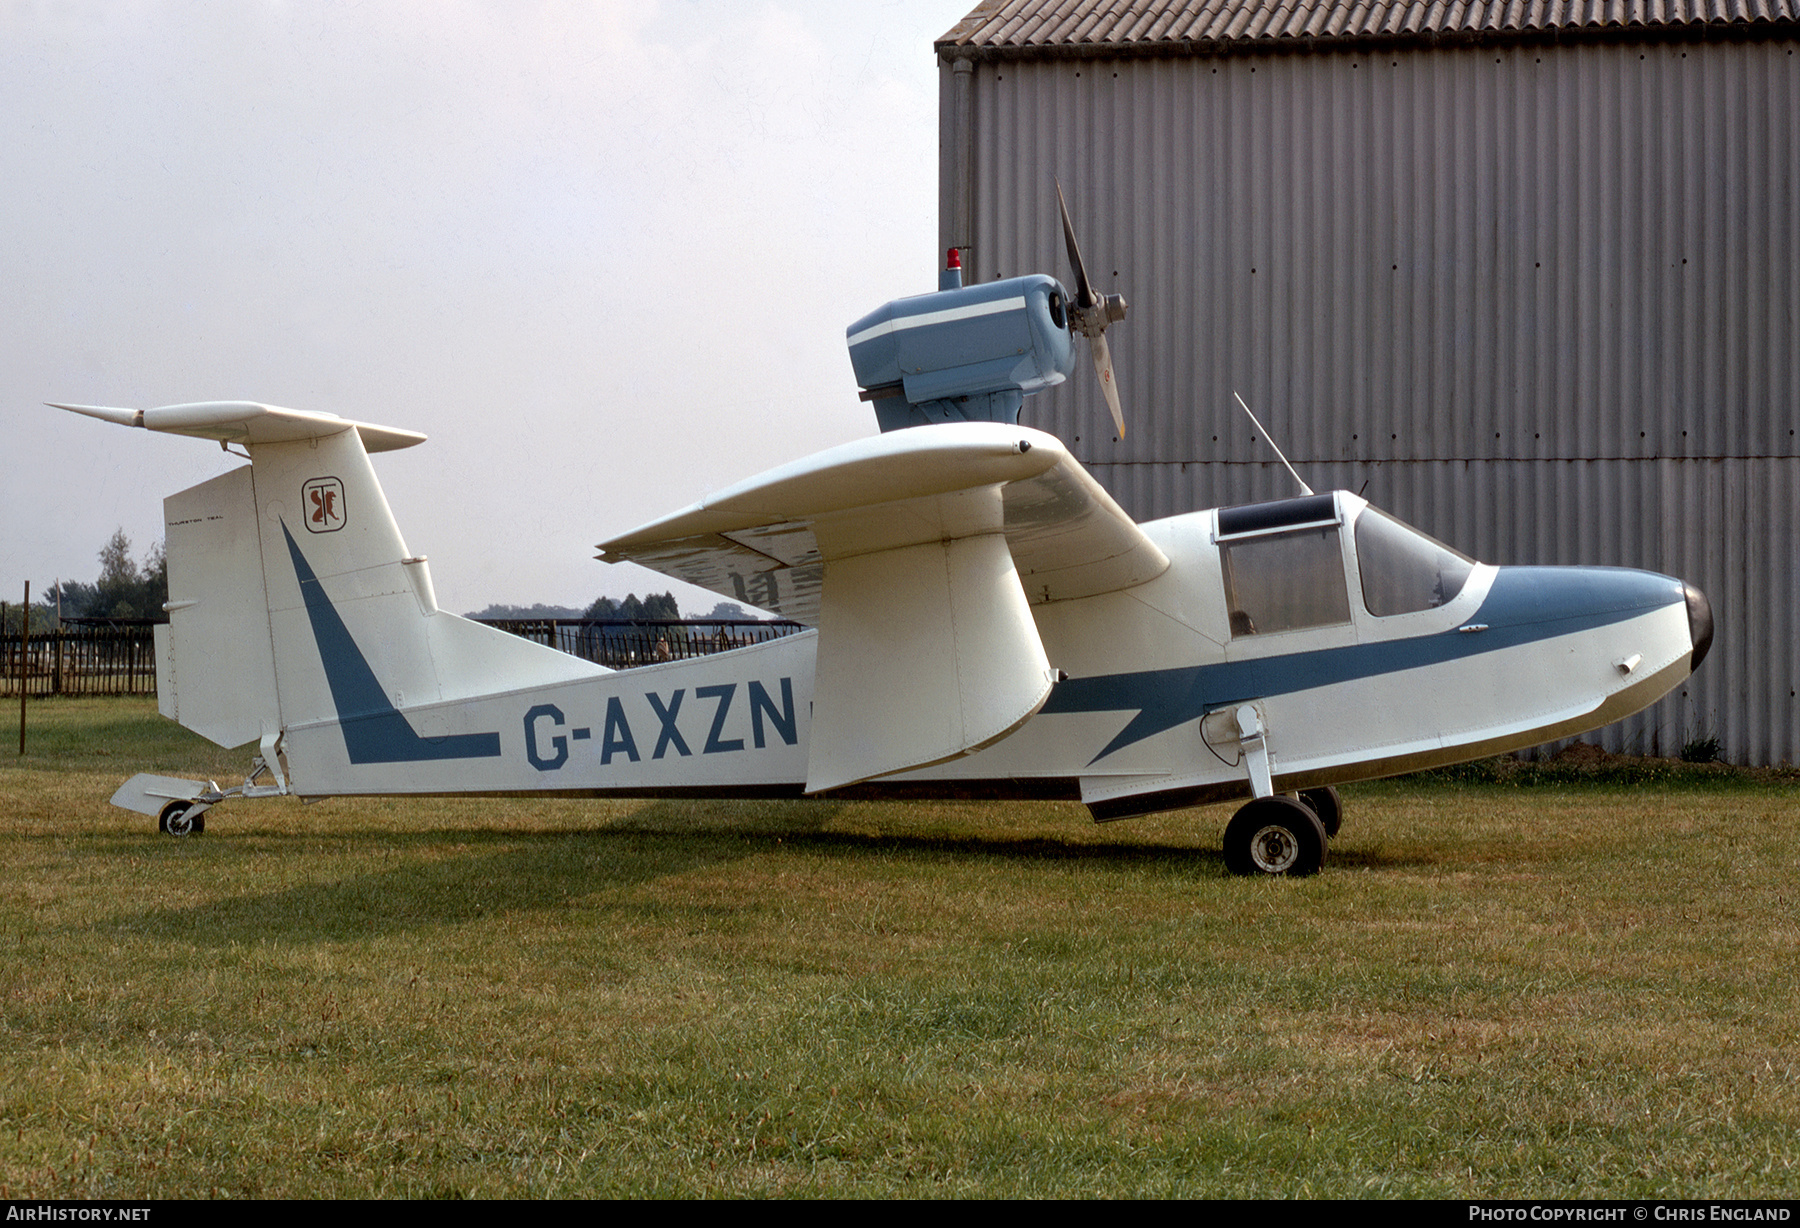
[1403,570]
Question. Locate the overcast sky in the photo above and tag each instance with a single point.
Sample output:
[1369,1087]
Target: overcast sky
[602,253]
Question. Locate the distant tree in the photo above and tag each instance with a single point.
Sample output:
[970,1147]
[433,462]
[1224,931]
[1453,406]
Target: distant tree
[125,589]
[77,598]
[156,571]
[728,610]
[116,567]
[653,606]
[43,618]
[659,605]
[534,611]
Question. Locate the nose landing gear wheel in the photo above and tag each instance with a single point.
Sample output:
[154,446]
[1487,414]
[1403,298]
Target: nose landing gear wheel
[177,820]
[1275,835]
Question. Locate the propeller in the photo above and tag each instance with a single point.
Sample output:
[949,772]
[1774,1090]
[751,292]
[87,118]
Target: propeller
[1091,313]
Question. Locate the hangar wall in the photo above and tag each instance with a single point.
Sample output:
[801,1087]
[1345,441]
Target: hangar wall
[1541,300]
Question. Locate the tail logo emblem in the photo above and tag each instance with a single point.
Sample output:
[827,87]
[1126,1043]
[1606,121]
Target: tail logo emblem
[323,499]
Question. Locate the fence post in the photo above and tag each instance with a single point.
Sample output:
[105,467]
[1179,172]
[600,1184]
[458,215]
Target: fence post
[24,659]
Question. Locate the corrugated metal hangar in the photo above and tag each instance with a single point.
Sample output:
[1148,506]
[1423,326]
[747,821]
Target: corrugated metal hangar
[1524,274]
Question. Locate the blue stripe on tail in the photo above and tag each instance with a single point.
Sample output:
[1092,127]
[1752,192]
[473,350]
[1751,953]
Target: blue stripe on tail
[374,730]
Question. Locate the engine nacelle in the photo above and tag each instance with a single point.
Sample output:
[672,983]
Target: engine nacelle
[966,354]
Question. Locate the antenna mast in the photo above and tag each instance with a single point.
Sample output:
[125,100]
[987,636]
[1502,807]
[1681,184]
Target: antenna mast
[1284,460]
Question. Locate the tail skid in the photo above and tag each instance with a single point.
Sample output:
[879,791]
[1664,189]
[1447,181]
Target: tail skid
[181,805]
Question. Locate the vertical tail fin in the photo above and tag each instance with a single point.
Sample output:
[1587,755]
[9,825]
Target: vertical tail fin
[348,605]
[294,602]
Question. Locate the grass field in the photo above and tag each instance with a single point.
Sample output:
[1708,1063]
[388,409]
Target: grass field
[1555,988]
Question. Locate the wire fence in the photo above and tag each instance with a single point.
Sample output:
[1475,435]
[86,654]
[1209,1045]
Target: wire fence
[118,656]
[110,658]
[624,643]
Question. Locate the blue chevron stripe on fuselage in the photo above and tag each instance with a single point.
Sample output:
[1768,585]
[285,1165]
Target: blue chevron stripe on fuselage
[1524,605]
[374,730]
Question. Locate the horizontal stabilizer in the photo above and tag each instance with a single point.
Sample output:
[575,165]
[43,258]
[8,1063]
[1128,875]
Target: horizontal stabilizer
[247,422]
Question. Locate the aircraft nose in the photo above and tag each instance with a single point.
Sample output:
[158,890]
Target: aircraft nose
[1700,624]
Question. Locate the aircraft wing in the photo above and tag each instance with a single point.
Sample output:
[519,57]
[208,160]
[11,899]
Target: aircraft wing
[758,542]
[917,554]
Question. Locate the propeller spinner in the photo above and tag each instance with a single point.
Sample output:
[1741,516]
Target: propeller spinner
[1091,313]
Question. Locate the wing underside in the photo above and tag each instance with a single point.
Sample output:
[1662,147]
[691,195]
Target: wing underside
[918,554]
[759,542]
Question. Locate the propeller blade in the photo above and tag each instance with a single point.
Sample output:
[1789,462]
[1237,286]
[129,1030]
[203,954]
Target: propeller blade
[1104,367]
[1092,313]
[1083,286]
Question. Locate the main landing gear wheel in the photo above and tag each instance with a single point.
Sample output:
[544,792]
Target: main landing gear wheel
[1325,803]
[1275,835]
[177,820]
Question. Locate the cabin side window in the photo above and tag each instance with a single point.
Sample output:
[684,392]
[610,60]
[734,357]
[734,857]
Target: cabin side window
[1403,570]
[1285,582]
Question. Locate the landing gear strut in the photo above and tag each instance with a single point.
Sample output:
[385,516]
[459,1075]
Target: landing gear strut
[180,805]
[1274,833]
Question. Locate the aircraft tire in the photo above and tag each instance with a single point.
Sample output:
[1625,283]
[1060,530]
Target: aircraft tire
[1325,803]
[175,821]
[1275,835]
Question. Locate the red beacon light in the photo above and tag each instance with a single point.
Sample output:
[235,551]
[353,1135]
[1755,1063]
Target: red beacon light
[951,277]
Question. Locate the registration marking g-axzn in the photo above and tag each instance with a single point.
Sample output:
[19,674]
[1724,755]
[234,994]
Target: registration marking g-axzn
[548,733]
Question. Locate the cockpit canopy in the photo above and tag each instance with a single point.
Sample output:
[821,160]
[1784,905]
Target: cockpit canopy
[1284,565]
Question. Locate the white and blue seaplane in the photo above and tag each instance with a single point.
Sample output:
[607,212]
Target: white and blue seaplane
[983,621]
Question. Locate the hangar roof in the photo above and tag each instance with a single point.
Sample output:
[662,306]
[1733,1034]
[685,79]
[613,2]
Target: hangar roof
[1009,29]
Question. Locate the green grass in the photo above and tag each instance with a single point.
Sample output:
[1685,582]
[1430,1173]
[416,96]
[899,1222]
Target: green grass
[1501,986]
